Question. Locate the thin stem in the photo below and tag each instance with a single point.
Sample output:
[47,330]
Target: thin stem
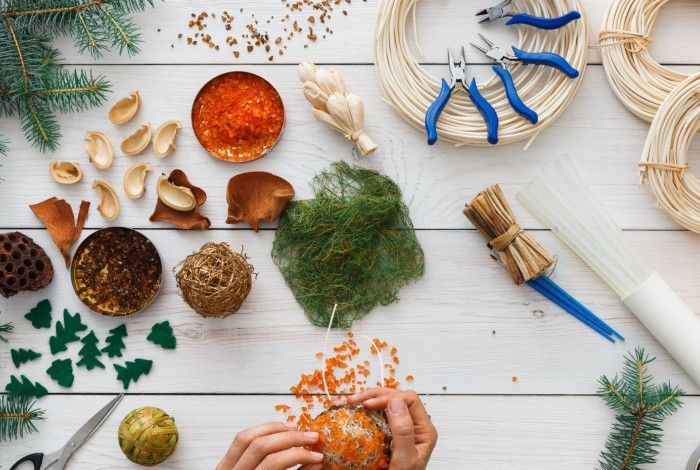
[617,393]
[661,403]
[116,25]
[44,11]
[634,441]
[640,380]
[58,91]
[325,349]
[91,38]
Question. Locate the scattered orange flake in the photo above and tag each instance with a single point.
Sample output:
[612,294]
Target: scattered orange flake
[409,378]
[514,379]
[319,355]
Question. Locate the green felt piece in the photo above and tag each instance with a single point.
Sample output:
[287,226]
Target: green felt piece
[162,335]
[21,355]
[89,353]
[66,334]
[114,341]
[25,387]
[131,371]
[61,371]
[73,322]
[40,316]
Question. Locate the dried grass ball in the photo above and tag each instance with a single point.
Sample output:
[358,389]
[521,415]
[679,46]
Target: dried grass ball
[353,438]
[148,436]
[214,280]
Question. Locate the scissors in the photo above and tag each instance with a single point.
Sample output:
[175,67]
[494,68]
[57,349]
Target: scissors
[42,461]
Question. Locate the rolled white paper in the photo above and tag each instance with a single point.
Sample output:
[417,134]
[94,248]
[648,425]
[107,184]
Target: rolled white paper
[670,320]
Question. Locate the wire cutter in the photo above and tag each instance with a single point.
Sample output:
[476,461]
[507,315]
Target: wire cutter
[43,461]
[457,69]
[499,11]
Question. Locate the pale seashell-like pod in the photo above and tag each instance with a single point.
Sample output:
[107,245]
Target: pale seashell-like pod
[138,141]
[315,95]
[108,206]
[99,149]
[135,180]
[125,109]
[176,197]
[306,72]
[65,172]
[328,82]
[164,138]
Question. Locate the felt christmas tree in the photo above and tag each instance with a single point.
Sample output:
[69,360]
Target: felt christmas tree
[131,371]
[21,355]
[89,353]
[24,386]
[61,371]
[18,416]
[66,334]
[115,342]
[162,335]
[40,316]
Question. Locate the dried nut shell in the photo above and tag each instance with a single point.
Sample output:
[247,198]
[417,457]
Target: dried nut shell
[125,109]
[179,198]
[257,196]
[164,138]
[99,149]
[109,202]
[135,180]
[138,141]
[65,172]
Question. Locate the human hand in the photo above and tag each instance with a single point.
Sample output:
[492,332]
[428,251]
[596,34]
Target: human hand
[414,436]
[272,446]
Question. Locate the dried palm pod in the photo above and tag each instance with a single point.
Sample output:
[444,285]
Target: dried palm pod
[125,109]
[188,220]
[65,172]
[24,265]
[57,216]
[138,141]
[257,196]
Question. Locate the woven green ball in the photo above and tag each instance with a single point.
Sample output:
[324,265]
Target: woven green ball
[147,436]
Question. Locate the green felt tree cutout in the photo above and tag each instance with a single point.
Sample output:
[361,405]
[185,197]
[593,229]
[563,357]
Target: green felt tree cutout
[66,334]
[61,371]
[40,316]
[162,335]
[25,387]
[131,371]
[21,355]
[115,342]
[18,414]
[640,409]
[89,353]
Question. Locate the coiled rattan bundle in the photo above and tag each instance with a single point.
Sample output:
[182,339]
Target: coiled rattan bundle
[410,89]
[638,80]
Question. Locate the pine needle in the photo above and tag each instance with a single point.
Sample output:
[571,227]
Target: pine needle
[18,414]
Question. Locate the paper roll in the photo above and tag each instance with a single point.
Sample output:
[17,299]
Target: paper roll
[670,320]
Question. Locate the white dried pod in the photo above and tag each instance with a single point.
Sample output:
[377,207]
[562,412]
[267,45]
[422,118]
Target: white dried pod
[138,141]
[99,149]
[306,72]
[108,206]
[65,172]
[125,109]
[135,180]
[329,81]
[338,108]
[164,138]
[340,83]
[175,197]
[357,110]
[315,95]
[327,119]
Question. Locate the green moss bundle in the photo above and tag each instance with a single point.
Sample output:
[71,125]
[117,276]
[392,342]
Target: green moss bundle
[148,436]
[352,245]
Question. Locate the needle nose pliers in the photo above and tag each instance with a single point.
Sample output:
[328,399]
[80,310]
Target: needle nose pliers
[457,70]
[500,11]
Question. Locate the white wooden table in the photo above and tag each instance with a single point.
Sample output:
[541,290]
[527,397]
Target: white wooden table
[463,330]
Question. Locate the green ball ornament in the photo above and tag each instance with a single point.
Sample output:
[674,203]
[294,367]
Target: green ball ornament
[147,436]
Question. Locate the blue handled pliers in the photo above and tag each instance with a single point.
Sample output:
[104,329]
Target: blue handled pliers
[457,70]
[499,11]
[500,56]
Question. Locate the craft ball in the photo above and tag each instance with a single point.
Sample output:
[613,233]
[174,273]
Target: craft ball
[148,436]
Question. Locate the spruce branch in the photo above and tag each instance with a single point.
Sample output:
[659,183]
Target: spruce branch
[640,409]
[5,328]
[18,414]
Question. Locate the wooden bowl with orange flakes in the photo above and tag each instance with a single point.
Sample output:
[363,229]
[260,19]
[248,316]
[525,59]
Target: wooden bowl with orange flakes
[238,116]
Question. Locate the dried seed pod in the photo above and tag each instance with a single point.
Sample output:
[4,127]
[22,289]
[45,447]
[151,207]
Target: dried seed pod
[138,141]
[99,149]
[65,172]
[24,265]
[62,225]
[164,138]
[306,72]
[135,180]
[189,220]
[125,109]
[329,81]
[176,197]
[257,196]
[108,206]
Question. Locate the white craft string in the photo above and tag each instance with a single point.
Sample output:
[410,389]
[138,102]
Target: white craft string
[410,89]
[638,80]
[379,354]
[325,349]
[664,164]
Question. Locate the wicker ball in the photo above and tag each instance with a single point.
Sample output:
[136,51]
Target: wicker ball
[147,436]
[214,281]
[353,438]
[24,265]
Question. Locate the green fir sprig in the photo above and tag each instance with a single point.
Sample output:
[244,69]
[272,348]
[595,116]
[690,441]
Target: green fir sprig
[18,416]
[5,328]
[640,409]
[33,84]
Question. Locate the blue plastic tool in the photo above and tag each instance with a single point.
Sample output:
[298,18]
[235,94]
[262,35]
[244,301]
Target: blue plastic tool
[457,71]
[500,11]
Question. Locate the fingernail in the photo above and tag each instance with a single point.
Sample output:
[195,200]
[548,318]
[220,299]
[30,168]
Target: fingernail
[370,401]
[317,455]
[397,406]
[311,435]
[292,426]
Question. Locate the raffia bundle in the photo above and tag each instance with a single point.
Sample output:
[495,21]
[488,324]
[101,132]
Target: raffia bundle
[215,280]
[491,214]
[148,436]
[333,105]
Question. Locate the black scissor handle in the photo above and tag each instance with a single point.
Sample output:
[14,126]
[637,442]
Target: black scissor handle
[36,459]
